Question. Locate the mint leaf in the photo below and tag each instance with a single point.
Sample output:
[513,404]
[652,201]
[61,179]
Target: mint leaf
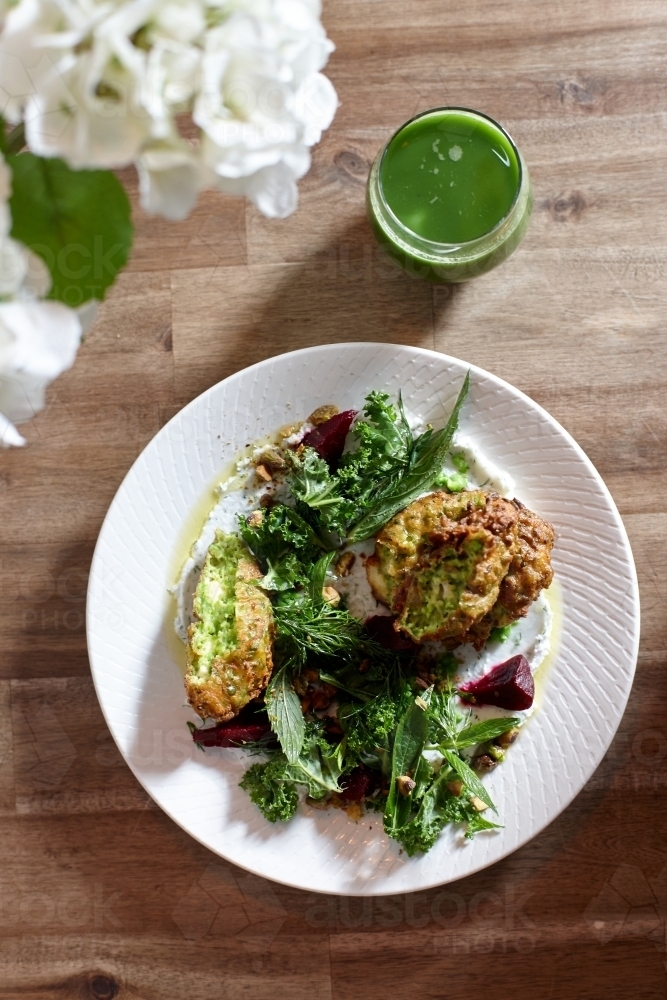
[409,742]
[468,777]
[482,732]
[427,458]
[285,715]
[77,221]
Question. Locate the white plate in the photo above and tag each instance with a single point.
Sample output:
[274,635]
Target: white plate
[140,686]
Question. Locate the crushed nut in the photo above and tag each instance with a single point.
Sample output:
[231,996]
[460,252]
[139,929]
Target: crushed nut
[266,501]
[272,459]
[420,682]
[455,787]
[331,595]
[478,804]
[263,473]
[484,763]
[405,784]
[507,739]
[323,413]
[497,753]
[344,563]
[421,703]
[255,519]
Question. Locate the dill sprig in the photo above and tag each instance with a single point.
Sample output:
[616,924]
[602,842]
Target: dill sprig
[306,627]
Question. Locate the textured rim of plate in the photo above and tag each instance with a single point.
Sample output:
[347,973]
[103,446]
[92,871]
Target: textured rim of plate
[423,872]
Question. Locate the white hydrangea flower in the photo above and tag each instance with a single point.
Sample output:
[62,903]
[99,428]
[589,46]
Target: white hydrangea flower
[262,100]
[38,340]
[101,83]
[170,178]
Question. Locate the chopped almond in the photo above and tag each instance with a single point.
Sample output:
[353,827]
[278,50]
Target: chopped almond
[263,472]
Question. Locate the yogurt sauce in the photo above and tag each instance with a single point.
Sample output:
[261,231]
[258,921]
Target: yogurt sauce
[240,494]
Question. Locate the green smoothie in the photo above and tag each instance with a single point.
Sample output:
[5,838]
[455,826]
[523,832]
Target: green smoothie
[450,177]
[449,195]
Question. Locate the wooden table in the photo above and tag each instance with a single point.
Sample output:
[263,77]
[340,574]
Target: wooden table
[102,895]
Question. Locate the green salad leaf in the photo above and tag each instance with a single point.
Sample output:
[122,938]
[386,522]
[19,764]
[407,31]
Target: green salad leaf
[468,777]
[409,742]
[426,460]
[274,784]
[307,627]
[284,544]
[268,788]
[285,715]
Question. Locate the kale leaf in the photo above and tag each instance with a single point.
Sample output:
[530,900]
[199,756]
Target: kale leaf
[313,485]
[424,464]
[384,441]
[438,808]
[268,788]
[285,545]
[273,785]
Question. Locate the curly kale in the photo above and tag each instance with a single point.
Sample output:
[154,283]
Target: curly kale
[371,725]
[384,441]
[265,783]
[438,808]
[285,545]
[273,785]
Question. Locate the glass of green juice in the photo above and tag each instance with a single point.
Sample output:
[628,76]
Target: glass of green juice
[449,195]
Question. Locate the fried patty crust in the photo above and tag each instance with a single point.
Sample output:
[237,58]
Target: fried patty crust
[454,566]
[230,641]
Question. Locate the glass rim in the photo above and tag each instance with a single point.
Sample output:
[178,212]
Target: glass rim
[463,244]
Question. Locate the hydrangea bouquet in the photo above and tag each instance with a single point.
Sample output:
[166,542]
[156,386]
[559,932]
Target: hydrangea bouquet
[91,85]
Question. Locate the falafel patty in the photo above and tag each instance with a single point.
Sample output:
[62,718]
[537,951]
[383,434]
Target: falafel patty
[230,641]
[453,566]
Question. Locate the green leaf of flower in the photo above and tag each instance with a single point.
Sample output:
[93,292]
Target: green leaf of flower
[78,221]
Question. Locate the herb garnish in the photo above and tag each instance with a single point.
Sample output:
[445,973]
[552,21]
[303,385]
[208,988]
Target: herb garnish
[386,724]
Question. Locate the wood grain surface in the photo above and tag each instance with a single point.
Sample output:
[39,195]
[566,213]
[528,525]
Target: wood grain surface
[101,894]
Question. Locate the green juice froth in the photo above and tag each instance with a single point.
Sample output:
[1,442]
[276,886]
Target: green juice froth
[450,177]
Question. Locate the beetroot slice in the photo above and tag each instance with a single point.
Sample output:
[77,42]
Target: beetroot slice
[509,685]
[231,734]
[328,439]
[358,784]
[381,628]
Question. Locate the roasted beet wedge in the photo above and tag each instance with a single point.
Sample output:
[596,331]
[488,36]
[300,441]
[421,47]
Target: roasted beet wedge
[358,784]
[231,734]
[328,439]
[381,628]
[509,685]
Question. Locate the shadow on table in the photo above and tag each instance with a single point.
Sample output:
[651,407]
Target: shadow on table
[345,291]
